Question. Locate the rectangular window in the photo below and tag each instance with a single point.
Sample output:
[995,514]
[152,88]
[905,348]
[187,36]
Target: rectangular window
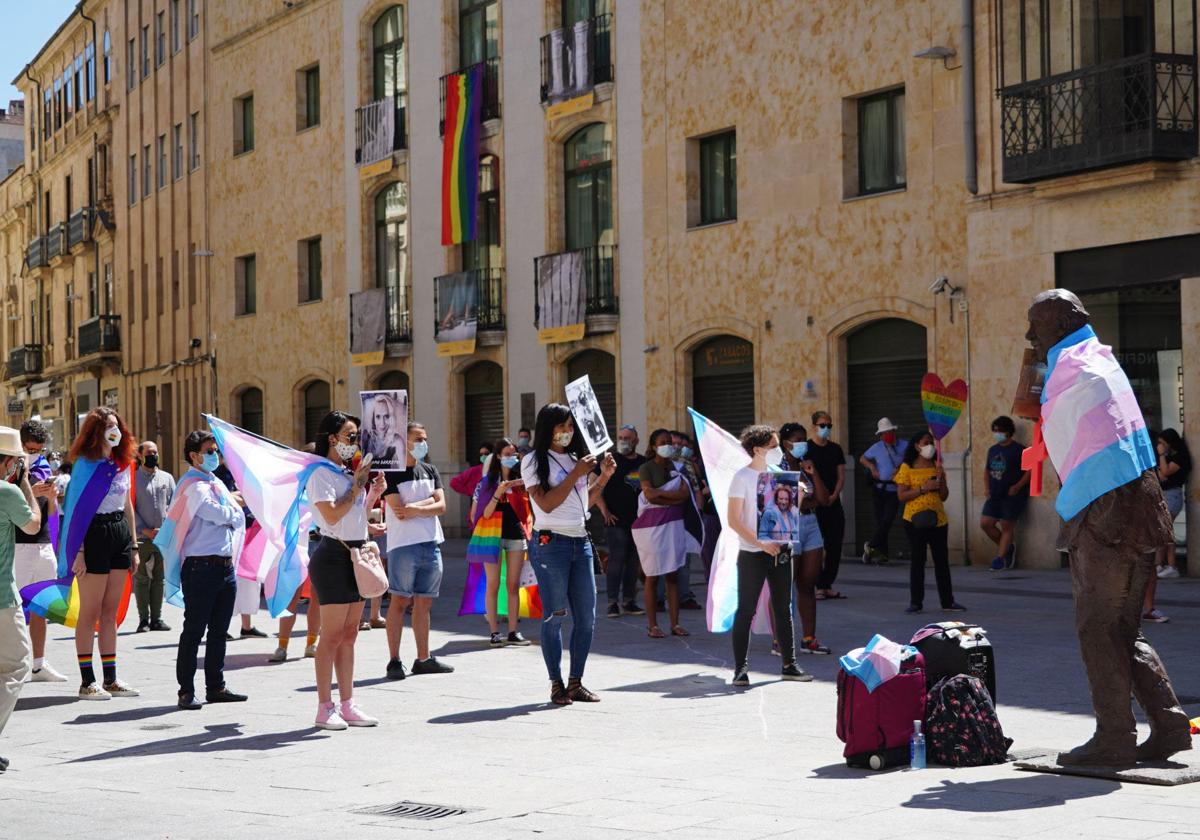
[310,104]
[881,163]
[131,64]
[177,151]
[162,161]
[175,280]
[145,50]
[89,54]
[133,185]
[57,104]
[110,292]
[718,178]
[309,260]
[160,294]
[245,287]
[147,164]
[160,40]
[145,292]
[107,57]
[79,83]
[174,26]
[93,306]
[193,18]
[48,115]
[194,140]
[243,124]
[68,99]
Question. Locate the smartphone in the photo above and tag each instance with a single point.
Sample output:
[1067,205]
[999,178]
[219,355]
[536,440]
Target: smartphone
[366,461]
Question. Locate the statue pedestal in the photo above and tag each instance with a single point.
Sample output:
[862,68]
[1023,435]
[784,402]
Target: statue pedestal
[1180,769]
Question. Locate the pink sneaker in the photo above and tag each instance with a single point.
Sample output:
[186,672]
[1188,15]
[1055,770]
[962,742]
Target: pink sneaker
[329,718]
[354,716]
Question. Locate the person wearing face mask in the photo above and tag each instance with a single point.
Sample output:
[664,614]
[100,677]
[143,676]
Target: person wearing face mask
[414,501]
[829,460]
[759,560]
[1007,493]
[198,541]
[154,488]
[807,551]
[524,441]
[881,460]
[466,481]
[556,474]
[618,508]
[921,486]
[662,546]
[501,503]
[685,454]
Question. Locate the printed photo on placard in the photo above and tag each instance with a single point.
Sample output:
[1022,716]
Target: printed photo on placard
[588,417]
[457,313]
[779,496]
[385,428]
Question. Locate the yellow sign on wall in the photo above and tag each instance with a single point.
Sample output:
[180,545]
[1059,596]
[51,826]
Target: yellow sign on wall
[572,106]
[379,167]
[364,359]
[456,348]
[557,335]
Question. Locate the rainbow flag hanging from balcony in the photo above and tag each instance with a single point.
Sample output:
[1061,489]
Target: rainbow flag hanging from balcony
[460,155]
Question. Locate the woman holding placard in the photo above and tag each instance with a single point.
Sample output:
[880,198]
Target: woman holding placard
[921,488]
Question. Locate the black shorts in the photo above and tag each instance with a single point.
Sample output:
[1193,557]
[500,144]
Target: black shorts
[1005,508]
[332,573]
[108,545]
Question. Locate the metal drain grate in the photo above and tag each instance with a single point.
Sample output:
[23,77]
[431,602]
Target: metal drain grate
[413,811]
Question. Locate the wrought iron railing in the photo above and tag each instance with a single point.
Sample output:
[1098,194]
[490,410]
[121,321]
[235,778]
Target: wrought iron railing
[79,226]
[1119,112]
[55,246]
[399,316]
[565,71]
[490,105]
[489,300]
[35,254]
[599,279]
[378,131]
[101,334]
[25,360]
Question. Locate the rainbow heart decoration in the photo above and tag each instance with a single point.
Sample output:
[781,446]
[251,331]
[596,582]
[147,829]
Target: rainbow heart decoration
[942,403]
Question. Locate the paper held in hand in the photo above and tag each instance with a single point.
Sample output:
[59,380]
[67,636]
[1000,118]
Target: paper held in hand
[589,420]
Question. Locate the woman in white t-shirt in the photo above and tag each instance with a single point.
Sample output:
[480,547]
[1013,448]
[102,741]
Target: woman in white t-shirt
[558,476]
[340,499]
[760,561]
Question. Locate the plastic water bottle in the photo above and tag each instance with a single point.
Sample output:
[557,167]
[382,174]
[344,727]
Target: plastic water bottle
[916,747]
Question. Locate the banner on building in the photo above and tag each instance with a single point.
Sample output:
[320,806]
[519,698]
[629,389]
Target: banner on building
[384,433]
[368,327]
[589,419]
[561,297]
[460,155]
[457,313]
[570,62]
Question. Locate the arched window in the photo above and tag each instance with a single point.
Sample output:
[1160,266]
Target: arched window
[601,370]
[107,57]
[391,257]
[250,410]
[588,187]
[390,82]
[484,251]
[393,380]
[483,407]
[723,382]
[316,406]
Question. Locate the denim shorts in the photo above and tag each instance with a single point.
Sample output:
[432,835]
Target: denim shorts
[415,570]
[514,546]
[810,535]
[1174,499]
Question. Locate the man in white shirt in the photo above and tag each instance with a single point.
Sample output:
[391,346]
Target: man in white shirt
[414,499]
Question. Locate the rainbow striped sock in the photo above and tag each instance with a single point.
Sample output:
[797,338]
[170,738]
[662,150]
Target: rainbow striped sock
[85,668]
[108,661]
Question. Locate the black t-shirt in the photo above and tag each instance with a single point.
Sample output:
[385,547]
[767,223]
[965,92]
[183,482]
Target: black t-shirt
[621,492]
[510,527]
[1004,468]
[1180,477]
[42,536]
[826,460]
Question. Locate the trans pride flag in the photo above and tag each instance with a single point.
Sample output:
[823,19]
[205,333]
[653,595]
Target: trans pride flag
[460,155]
[273,479]
[723,457]
[1092,424]
[189,495]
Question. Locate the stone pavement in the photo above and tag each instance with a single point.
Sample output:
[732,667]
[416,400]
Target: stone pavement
[672,751]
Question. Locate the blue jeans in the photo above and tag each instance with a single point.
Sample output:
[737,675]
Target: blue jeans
[566,578]
[209,590]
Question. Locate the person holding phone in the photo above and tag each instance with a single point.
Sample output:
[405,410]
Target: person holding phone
[808,548]
[921,488]
[556,475]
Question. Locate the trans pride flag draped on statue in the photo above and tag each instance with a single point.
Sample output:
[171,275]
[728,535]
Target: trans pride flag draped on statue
[460,155]
[723,457]
[193,487]
[273,479]
[1092,424]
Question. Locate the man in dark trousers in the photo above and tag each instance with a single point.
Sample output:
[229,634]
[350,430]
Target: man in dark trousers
[1114,518]
[829,460]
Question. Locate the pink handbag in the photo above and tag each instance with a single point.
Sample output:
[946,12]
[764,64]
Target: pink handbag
[369,573]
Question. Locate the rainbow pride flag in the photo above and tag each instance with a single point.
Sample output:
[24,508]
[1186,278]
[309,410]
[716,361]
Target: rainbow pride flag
[460,155]
[484,547]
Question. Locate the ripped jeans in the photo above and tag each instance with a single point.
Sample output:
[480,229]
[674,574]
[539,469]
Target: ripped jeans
[566,579]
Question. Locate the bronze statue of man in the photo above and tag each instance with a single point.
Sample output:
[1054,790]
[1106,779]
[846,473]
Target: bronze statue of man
[1114,517]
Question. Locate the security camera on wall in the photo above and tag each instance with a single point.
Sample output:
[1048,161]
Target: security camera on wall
[939,285]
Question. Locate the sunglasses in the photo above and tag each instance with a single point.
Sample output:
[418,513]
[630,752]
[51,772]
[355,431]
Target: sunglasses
[824,425]
[352,437]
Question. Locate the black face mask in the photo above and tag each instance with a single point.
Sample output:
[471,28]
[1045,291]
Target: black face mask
[150,462]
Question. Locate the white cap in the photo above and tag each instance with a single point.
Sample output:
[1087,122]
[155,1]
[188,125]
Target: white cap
[885,425]
[10,441]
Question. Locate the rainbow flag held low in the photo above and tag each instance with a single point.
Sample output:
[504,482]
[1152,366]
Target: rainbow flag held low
[460,155]
[484,548]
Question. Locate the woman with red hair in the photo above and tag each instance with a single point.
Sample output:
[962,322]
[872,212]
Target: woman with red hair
[97,543]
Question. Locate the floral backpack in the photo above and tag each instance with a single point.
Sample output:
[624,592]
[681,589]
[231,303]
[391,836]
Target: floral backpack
[962,729]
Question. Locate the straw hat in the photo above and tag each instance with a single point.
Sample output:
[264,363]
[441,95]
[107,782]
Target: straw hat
[10,442]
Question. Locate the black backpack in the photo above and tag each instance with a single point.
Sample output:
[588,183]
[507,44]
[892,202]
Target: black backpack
[961,726]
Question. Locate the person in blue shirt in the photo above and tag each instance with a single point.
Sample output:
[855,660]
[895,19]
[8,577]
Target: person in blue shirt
[882,460]
[1007,493]
[217,527]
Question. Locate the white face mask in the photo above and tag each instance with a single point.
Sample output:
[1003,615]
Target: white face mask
[774,457]
[624,447]
[346,451]
[564,438]
[928,451]
[666,451]
[112,436]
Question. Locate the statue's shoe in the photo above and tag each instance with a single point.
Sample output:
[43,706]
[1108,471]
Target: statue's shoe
[1163,745]
[1102,752]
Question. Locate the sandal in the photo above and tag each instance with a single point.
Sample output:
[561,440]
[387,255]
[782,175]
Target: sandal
[559,695]
[679,630]
[656,632]
[579,694]
[820,596]
[834,595]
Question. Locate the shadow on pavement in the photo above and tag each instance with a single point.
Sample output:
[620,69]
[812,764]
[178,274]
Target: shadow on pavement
[29,704]
[462,646]
[220,737]
[357,684]
[689,687]
[1007,794]
[134,713]
[491,715]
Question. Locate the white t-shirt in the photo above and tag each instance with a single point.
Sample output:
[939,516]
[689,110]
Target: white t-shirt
[118,492]
[569,518]
[415,484]
[744,486]
[329,486]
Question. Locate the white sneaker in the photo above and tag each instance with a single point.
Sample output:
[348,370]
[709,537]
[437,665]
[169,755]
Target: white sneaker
[1168,572]
[47,674]
[310,651]
[120,689]
[93,691]
[280,655]
[354,716]
[328,717]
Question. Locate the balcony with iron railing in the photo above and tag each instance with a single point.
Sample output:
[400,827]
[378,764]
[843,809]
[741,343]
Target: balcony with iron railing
[24,361]
[35,253]
[79,226]
[399,320]
[599,283]
[576,59]
[489,106]
[379,131]
[100,335]
[1118,112]
[56,243]
[488,308]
